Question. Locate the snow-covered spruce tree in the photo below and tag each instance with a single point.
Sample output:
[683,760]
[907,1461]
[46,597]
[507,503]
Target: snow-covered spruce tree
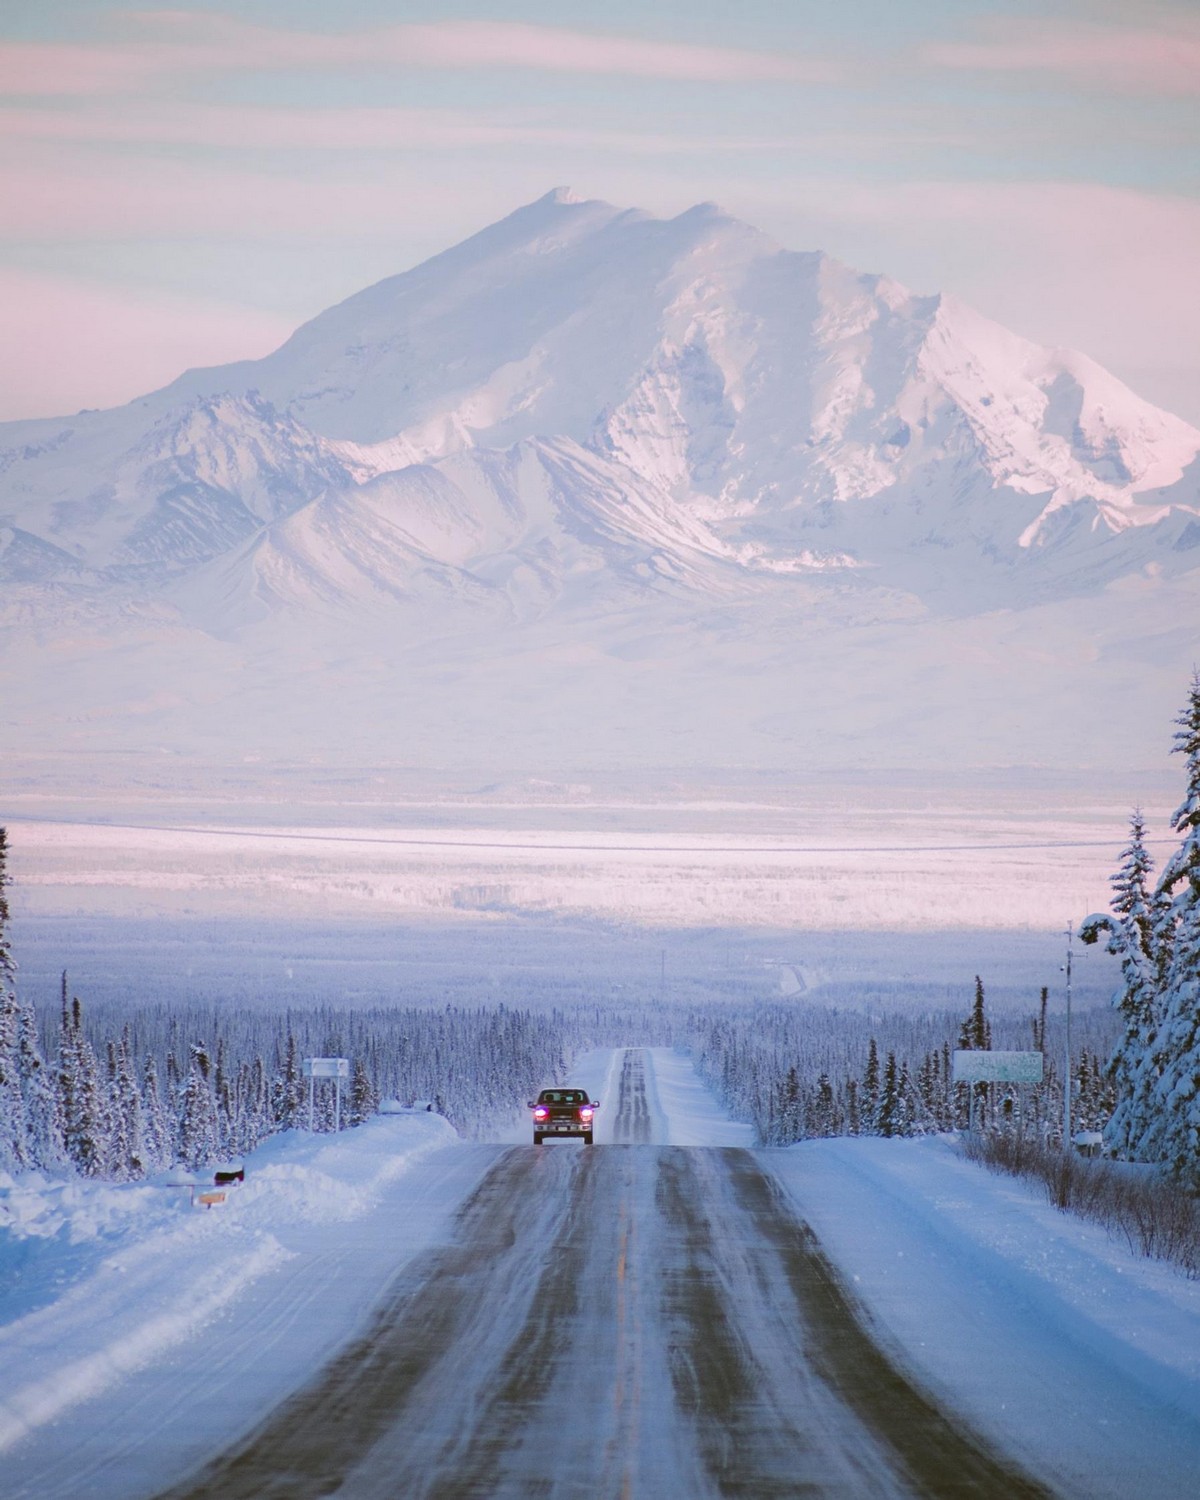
[363,1099]
[911,1117]
[869,1106]
[15,1152]
[198,1118]
[821,1116]
[81,1095]
[126,1107]
[157,1136]
[1138,934]
[30,1120]
[853,1109]
[889,1120]
[117,1147]
[1174,1133]
[288,1105]
[975,1035]
[43,1114]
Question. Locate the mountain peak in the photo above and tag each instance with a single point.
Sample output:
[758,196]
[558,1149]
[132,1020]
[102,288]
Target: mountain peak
[562,195]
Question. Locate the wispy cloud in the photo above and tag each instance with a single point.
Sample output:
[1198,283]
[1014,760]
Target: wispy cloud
[162,44]
[1159,57]
[389,128]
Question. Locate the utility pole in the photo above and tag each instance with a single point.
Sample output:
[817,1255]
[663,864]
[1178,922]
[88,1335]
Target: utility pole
[1067,1081]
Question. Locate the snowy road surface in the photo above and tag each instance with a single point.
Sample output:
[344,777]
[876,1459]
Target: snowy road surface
[394,1311]
[616,1323]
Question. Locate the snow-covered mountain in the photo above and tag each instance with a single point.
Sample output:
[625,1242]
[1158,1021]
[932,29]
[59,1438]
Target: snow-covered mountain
[585,411]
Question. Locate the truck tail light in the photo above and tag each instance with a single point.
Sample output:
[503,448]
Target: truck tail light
[585,1114]
[540,1112]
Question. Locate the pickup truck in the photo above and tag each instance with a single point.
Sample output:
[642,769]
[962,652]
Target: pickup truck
[563,1112]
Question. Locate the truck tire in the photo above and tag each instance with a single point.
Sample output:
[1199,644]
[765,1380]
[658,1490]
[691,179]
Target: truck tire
[537,1138]
[587,1140]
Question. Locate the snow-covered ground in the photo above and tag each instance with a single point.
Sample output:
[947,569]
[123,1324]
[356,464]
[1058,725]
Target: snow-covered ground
[829,858]
[1071,1352]
[139,1335]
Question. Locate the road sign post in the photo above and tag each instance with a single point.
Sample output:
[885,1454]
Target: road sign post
[985,1066]
[336,1068]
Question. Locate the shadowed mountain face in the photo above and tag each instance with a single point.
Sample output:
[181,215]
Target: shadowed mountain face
[669,453]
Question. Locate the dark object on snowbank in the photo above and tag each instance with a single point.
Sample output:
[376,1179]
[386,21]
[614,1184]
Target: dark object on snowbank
[232,1174]
[1149,1210]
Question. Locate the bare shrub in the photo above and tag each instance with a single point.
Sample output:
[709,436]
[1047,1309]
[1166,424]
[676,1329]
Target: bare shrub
[1155,1216]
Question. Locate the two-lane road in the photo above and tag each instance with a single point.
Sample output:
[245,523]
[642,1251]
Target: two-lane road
[613,1322]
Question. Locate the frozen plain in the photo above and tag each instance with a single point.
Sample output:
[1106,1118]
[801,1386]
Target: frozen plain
[844,890]
[1072,1357]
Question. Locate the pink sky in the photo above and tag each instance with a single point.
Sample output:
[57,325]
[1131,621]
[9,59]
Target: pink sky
[186,187]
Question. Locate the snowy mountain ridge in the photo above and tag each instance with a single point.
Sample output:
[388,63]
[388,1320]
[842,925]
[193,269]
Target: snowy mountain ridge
[753,407]
[664,439]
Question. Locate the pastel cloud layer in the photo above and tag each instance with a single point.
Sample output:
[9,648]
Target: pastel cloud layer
[219,174]
[187,42]
[1164,59]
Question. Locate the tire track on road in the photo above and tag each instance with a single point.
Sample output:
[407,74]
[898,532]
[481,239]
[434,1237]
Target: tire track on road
[774,1362]
[610,1324]
[632,1125]
[307,1447]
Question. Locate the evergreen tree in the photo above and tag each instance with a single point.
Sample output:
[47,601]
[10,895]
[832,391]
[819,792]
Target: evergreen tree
[853,1114]
[909,1114]
[127,1107]
[42,1112]
[870,1090]
[158,1145]
[85,1118]
[979,1028]
[117,1146]
[198,1119]
[1137,937]
[975,1035]
[890,1117]
[15,1150]
[1174,1063]
[821,1114]
[290,1107]
[363,1099]
[791,1112]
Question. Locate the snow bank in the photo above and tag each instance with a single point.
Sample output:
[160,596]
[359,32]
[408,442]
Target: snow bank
[1051,1335]
[686,1112]
[98,1281]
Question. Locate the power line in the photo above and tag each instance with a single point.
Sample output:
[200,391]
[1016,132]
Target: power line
[434,843]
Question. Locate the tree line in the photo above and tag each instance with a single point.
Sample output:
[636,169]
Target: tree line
[1154,930]
[796,1073]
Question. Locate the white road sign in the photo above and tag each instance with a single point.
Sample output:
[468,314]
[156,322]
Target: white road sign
[327,1067]
[998,1067]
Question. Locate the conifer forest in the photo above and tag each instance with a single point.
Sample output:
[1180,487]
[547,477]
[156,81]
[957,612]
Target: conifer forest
[120,1095]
